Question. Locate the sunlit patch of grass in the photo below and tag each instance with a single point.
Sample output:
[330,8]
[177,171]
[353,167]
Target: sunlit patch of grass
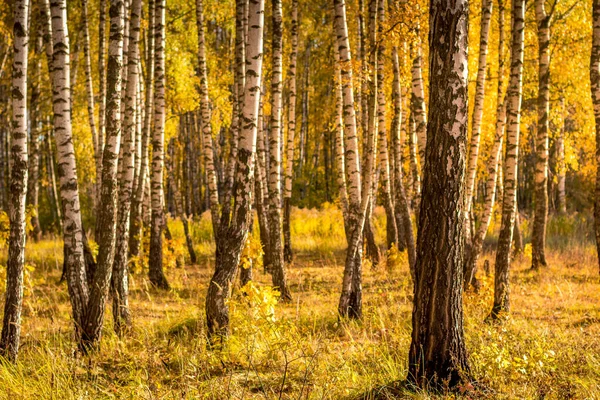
[548,347]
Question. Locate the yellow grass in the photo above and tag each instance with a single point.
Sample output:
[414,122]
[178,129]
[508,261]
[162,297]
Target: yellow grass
[549,347]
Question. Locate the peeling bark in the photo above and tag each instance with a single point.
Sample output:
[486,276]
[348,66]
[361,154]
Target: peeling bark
[438,355]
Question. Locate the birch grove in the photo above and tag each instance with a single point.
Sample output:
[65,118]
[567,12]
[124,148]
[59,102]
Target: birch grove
[217,175]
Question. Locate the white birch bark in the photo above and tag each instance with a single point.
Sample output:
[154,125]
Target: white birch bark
[156,273]
[278,268]
[486,17]
[418,108]
[206,127]
[595,89]
[291,134]
[538,235]
[11,325]
[107,216]
[121,312]
[509,203]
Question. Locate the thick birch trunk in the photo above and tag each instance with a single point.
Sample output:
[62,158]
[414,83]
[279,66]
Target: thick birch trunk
[438,356]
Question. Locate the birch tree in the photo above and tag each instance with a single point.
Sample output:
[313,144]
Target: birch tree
[102,93]
[438,355]
[89,87]
[120,289]
[234,232]
[291,134]
[137,214]
[67,173]
[494,165]
[350,304]
[538,235]
[509,202]
[418,108]
[384,160]
[11,325]
[402,208]
[155,270]
[486,17]
[561,168]
[276,250]
[107,216]
[595,89]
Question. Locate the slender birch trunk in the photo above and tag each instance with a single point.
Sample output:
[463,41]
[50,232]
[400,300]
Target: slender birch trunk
[102,94]
[402,208]
[486,17]
[509,203]
[209,165]
[418,108]
[53,191]
[33,181]
[137,205]
[120,288]
[291,133]
[261,188]
[414,162]
[67,173]
[107,216]
[276,249]
[595,89]
[155,273]
[370,137]
[494,164]
[384,161]
[89,87]
[438,356]
[538,235]
[235,234]
[339,138]
[139,121]
[11,325]
[493,167]
[561,167]
[351,297]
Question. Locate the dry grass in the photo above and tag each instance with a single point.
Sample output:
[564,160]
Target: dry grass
[548,348]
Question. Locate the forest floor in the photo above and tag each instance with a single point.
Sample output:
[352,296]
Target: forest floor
[549,346]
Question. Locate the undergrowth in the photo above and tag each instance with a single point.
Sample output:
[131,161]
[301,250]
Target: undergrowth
[548,347]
